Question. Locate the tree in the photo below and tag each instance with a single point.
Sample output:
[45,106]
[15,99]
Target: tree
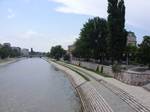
[14,53]
[57,52]
[144,51]
[5,52]
[92,40]
[117,33]
[130,53]
[67,57]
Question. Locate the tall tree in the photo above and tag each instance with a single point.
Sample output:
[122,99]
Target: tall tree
[116,25]
[92,40]
[5,52]
[144,51]
[57,52]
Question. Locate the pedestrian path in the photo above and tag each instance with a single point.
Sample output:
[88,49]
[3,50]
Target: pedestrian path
[99,95]
[138,93]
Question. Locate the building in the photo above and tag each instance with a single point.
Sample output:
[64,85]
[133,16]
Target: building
[131,39]
[71,48]
[18,49]
[7,44]
[25,52]
[1,45]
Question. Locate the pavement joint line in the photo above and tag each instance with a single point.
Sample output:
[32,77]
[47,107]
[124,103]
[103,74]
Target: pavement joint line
[80,84]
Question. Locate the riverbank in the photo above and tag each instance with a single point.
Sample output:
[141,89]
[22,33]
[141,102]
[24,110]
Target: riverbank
[9,61]
[118,96]
[91,100]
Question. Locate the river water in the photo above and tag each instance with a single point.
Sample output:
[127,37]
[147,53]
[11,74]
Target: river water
[34,85]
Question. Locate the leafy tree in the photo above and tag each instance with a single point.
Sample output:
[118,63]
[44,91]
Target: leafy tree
[5,52]
[131,53]
[144,51]
[92,40]
[66,57]
[57,52]
[14,53]
[117,33]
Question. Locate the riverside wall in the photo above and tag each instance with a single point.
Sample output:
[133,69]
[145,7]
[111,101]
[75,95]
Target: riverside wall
[128,77]
[9,61]
[91,100]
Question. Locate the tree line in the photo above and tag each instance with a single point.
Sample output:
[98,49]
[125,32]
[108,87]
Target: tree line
[6,51]
[102,39]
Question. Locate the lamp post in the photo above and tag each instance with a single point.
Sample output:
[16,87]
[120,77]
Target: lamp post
[128,55]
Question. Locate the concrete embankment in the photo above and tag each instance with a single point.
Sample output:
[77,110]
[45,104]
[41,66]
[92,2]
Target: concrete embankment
[91,100]
[9,61]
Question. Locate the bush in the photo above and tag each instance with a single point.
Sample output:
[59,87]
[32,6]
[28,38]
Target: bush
[116,68]
[102,68]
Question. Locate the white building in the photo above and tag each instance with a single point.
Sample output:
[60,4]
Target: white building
[25,52]
[131,39]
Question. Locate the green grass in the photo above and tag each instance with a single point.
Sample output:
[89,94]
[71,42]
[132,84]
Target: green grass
[86,78]
[97,72]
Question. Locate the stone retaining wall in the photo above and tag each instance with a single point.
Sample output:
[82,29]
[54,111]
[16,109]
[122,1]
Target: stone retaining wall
[134,78]
[128,77]
[93,66]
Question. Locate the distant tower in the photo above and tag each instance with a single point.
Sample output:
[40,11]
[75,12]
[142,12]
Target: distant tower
[32,50]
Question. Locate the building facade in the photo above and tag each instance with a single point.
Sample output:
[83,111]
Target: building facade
[25,52]
[7,44]
[131,39]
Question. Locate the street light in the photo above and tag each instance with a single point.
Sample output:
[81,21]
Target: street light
[128,55]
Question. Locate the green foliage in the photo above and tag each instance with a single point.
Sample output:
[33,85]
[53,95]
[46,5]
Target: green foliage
[66,57]
[102,69]
[92,41]
[57,52]
[117,33]
[97,69]
[14,53]
[144,51]
[116,68]
[6,51]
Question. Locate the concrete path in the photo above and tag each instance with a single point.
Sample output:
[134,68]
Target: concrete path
[119,96]
[139,93]
[91,100]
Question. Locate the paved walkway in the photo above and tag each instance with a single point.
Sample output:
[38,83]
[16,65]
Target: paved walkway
[91,100]
[139,93]
[101,95]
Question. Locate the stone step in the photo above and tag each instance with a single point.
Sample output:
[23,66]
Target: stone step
[130,100]
[134,103]
[93,101]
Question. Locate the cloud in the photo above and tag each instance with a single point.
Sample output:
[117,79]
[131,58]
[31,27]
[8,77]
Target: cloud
[37,40]
[137,11]
[85,7]
[11,13]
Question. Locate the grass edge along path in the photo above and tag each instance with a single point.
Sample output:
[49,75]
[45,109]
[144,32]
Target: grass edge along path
[86,78]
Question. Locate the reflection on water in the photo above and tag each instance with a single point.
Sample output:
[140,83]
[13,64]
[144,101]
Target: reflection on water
[33,85]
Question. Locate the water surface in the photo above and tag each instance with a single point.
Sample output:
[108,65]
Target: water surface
[33,85]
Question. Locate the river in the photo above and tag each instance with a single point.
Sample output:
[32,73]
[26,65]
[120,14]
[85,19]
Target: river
[34,85]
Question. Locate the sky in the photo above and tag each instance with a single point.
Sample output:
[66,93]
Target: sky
[41,24]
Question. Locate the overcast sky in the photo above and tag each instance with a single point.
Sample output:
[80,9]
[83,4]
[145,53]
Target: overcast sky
[41,24]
